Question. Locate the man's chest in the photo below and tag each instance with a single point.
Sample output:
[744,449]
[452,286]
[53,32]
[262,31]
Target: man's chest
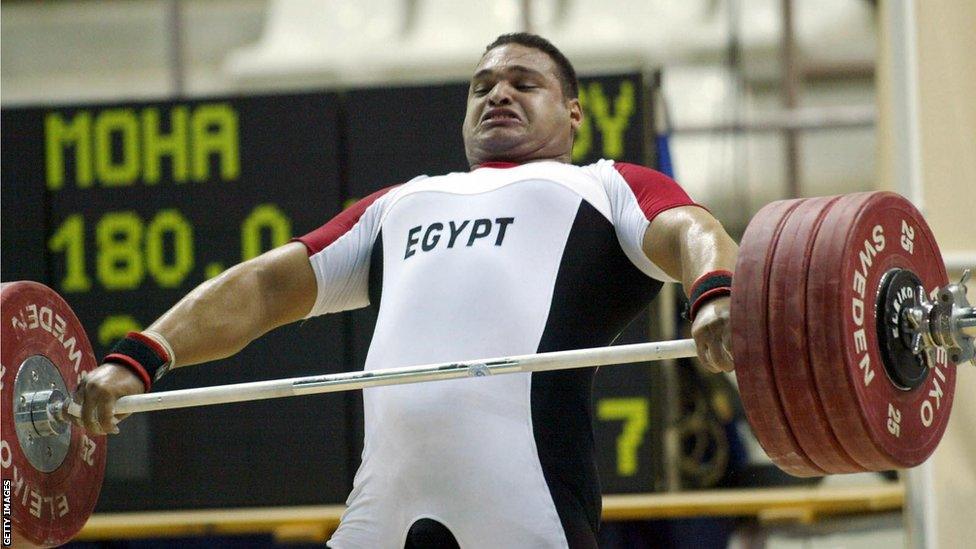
[526,223]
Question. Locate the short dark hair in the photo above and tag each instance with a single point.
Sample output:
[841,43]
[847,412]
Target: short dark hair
[567,74]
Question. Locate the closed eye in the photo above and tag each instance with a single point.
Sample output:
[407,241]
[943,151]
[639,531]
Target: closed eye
[481,90]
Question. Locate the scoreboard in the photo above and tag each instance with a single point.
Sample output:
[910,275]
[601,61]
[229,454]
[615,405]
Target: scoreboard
[146,201]
[124,208]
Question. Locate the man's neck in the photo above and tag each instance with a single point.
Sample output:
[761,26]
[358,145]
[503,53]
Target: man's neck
[512,163]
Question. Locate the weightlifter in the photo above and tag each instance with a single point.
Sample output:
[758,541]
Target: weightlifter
[524,253]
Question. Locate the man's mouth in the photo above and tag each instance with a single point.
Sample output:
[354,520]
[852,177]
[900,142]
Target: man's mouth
[505,117]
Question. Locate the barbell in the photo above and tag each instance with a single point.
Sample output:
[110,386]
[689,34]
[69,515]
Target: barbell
[845,333]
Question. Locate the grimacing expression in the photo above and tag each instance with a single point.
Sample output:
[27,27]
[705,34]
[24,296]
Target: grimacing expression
[517,111]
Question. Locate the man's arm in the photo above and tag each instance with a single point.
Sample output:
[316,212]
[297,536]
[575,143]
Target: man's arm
[224,314]
[688,242]
[216,320]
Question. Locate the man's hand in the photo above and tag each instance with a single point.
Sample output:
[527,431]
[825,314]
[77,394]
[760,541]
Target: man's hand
[97,394]
[713,335]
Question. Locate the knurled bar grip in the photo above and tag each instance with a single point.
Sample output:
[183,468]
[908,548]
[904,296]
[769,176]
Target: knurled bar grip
[348,381]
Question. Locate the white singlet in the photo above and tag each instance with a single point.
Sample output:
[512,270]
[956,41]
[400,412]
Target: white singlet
[503,260]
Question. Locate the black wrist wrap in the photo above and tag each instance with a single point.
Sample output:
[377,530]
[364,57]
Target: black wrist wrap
[707,287]
[140,354]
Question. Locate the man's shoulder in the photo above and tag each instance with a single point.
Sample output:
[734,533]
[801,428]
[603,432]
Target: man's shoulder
[636,173]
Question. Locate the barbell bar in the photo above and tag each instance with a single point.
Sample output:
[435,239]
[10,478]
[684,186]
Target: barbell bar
[348,381]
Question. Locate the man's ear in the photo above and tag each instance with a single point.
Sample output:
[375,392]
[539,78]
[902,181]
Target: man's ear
[575,114]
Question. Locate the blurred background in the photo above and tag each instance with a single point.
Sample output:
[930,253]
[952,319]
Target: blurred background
[303,106]
[763,103]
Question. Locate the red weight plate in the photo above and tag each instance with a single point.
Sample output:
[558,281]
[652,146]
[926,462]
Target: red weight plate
[825,283]
[788,339]
[48,508]
[880,425]
[750,345]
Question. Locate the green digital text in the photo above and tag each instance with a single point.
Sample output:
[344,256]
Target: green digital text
[123,146]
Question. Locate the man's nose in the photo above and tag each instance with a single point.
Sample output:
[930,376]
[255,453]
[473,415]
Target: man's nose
[501,94]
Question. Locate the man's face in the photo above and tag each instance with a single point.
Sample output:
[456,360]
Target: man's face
[516,109]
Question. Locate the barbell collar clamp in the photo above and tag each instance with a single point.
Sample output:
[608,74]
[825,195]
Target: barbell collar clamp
[948,323]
